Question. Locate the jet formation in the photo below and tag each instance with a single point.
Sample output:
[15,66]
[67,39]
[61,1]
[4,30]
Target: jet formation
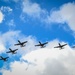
[13,51]
[23,44]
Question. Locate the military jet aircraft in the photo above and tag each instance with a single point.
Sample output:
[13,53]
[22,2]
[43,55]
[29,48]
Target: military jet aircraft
[41,44]
[4,59]
[60,46]
[12,51]
[22,44]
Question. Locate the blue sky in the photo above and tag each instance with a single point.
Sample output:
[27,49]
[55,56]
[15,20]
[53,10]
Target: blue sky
[33,26]
[36,20]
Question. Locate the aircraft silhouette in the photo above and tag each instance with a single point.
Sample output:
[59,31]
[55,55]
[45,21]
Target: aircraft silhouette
[22,44]
[41,44]
[12,51]
[4,59]
[60,46]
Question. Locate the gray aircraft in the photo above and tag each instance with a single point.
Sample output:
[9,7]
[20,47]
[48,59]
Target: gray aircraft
[22,44]
[12,51]
[60,46]
[3,58]
[42,44]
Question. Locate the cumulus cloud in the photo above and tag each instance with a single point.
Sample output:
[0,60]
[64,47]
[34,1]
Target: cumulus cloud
[32,9]
[11,24]
[64,15]
[38,61]
[2,10]
[48,61]
[7,39]
[1,17]
[9,36]
[2,48]
[6,8]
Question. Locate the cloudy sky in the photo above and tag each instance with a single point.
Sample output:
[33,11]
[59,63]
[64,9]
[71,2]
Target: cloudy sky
[33,21]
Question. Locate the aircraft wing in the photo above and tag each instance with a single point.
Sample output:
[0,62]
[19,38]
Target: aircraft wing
[7,57]
[15,50]
[24,42]
[38,45]
[8,52]
[1,57]
[16,44]
[64,45]
[57,47]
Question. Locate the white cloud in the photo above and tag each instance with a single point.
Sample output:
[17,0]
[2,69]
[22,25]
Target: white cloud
[36,61]
[32,9]
[11,23]
[2,48]
[1,17]
[49,61]
[7,39]
[6,8]
[9,36]
[66,14]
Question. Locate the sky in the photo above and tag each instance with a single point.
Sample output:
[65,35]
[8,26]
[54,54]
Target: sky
[51,21]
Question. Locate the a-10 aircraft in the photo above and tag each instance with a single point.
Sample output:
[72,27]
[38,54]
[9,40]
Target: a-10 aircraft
[60,46]
[41,44]
[22,44]
[4,59]
[12,51]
